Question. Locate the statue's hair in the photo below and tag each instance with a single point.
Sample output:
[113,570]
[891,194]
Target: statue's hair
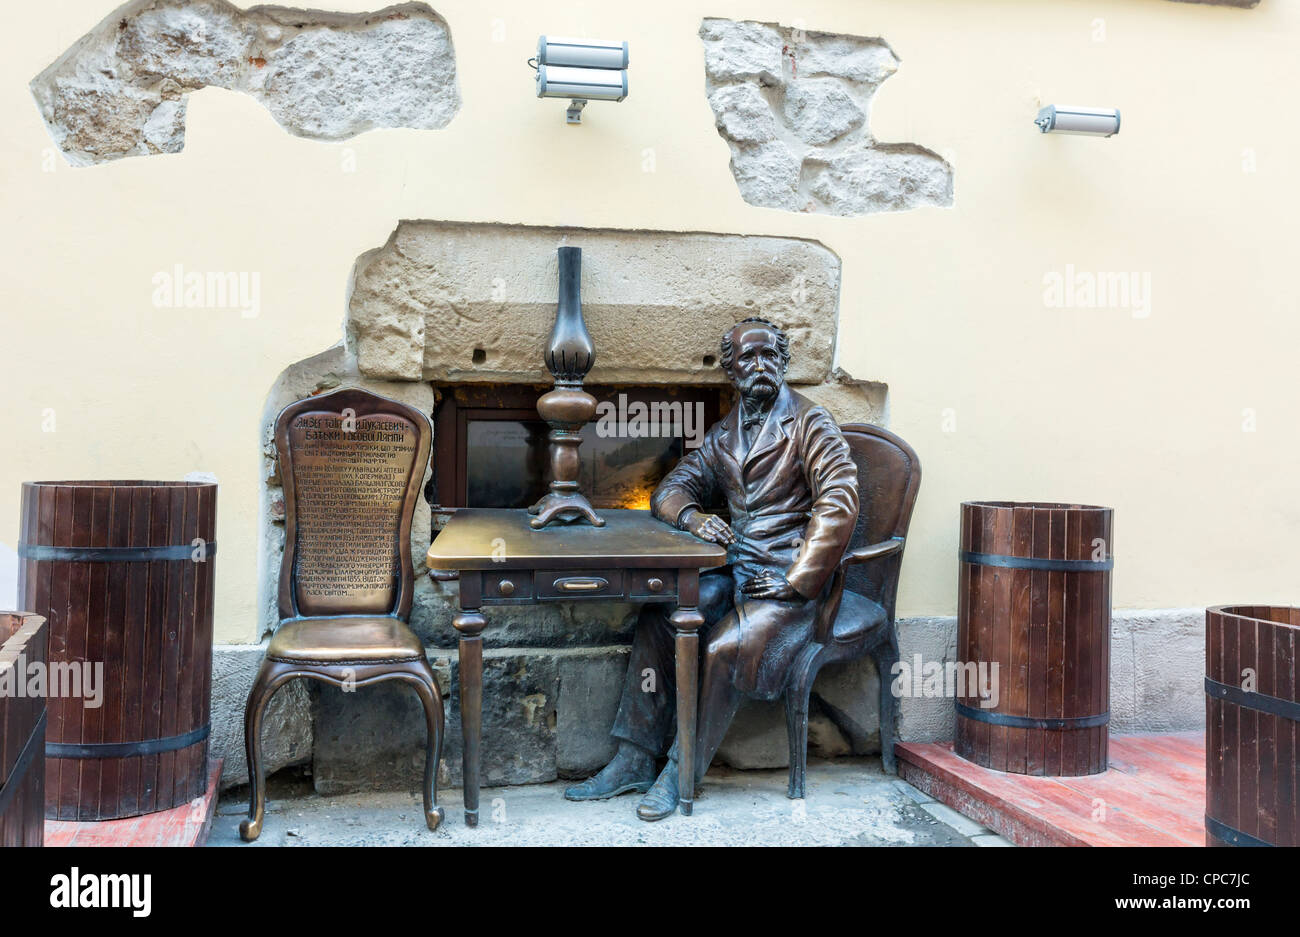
[782,342]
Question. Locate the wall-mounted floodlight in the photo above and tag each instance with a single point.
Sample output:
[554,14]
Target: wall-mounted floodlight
[582,70]
[1086,121]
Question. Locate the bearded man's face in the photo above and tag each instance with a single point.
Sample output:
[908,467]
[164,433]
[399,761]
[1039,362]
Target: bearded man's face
[756,365]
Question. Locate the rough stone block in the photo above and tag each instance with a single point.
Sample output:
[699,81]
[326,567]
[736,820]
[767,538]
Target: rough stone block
[878,178]
[742,51]
[591,685]
[287,729]
[850,400]
[820,110]
[1157,670]
[554,625]
[374,738]
[859,59]
[480,299]
[743,114]
[768,176]
[843,719]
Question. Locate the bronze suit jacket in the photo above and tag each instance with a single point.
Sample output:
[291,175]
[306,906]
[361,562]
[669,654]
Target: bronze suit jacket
[793,497]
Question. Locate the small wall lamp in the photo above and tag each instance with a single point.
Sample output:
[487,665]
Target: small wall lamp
[1085,121]
[582,70]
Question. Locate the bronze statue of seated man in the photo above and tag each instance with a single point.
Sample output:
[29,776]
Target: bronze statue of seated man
[790,484]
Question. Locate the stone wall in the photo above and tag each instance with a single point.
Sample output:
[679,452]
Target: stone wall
[547,710]
[121,89]
[794,106]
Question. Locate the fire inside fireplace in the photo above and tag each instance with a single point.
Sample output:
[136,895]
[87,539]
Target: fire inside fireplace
[490,446]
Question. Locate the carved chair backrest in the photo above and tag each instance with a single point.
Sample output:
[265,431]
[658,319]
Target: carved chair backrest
[889,476]
[352,464]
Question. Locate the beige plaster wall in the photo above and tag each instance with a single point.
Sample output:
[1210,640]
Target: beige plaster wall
[1001,395]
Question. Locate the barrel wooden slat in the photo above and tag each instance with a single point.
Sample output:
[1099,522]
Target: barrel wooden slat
[134,636]
[1288,736]
[1055,663]
[1266,738]
[1046,629]
[24,641]
[1022,532]
[1035,759]
[204,602]
[1252,775]
[963,607]
[997,629]
[141,617]
[119,535]
[97,625]
[987,606]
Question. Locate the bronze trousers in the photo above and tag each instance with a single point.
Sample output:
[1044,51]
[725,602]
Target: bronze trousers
[746,648]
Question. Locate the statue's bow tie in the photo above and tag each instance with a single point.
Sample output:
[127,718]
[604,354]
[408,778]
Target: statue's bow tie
[751,422]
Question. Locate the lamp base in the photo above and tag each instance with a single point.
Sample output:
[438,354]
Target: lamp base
[563,507]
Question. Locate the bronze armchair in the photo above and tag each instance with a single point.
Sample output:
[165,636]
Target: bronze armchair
[352,464]
[857,616]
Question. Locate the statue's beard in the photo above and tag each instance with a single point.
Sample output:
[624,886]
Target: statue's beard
[759,388]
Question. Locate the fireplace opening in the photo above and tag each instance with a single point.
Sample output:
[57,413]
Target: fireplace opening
[490,446]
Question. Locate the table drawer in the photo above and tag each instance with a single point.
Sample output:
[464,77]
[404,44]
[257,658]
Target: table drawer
[651,583]
[570,584]
[512,585]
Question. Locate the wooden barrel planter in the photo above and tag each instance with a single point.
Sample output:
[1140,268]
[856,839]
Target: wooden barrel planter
[23,639]
[123,571]
[1034,600]
[1252,725]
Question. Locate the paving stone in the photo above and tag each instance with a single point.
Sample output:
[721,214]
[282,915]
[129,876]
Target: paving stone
[945,814]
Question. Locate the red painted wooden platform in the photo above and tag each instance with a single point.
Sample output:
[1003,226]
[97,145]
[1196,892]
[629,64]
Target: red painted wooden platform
[1153,794]
[186,825]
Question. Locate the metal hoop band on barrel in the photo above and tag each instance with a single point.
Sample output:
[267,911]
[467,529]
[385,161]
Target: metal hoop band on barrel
[1260,702]
[1031,722]
[1025,562]
[180,551]
[127,749]
[1231,836]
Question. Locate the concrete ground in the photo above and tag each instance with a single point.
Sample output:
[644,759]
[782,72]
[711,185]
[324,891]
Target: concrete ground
[850,802]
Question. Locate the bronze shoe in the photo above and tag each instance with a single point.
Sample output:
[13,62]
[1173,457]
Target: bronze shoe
[621,776]
[661,800]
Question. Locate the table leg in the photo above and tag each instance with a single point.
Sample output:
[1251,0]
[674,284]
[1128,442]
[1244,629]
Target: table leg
[687,621]
[470,623]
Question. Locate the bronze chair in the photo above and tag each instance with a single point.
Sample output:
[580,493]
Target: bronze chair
[857,616]
[352,464]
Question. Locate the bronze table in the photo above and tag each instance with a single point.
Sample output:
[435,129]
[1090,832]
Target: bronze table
[634,557]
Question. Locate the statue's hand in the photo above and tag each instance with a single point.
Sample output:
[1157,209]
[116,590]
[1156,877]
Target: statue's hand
[709,527]
[767,586]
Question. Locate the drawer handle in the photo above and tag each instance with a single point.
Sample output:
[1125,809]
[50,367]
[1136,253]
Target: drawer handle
[579,584]
[655,585]
[506,587]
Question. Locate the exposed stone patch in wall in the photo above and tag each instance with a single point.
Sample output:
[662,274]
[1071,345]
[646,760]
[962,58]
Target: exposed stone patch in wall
[121,89]
[795,106]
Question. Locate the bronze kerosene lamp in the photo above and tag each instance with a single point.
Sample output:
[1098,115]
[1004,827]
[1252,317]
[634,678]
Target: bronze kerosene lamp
[567,407]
